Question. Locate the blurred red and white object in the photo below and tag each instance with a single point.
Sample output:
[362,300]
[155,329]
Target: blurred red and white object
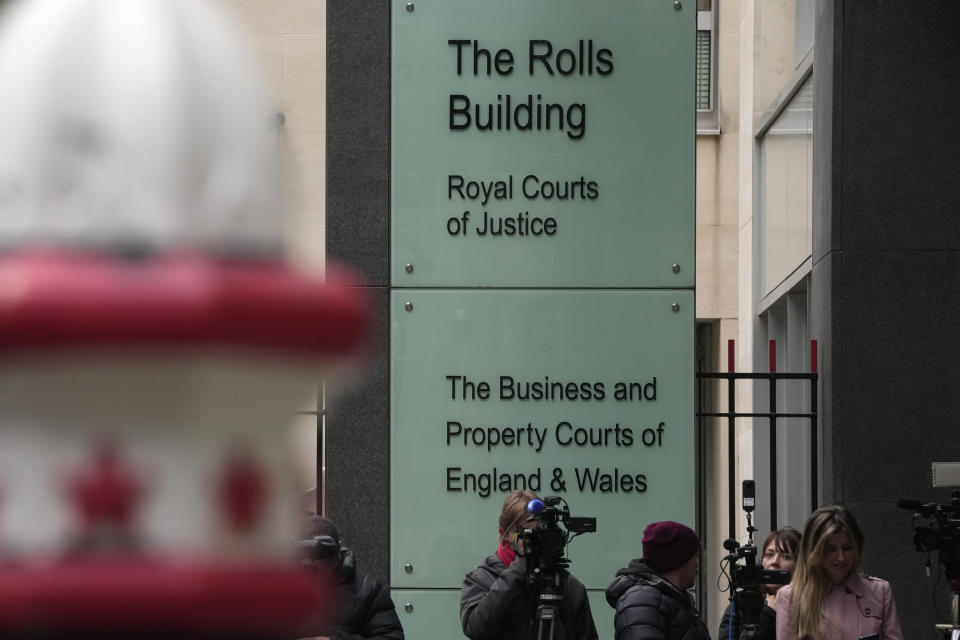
[153,339]
[134,124]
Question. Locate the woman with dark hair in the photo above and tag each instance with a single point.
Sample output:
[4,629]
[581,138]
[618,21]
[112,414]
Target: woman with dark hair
[829,598]
[779,553]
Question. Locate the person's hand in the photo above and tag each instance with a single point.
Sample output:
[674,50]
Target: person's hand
[518,566]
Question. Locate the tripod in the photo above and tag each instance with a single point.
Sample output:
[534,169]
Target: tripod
[952,566]
[951,631]
[747,583]
[550,584]
[747,606]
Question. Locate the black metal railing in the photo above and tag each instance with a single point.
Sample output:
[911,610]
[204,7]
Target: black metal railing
[772,415]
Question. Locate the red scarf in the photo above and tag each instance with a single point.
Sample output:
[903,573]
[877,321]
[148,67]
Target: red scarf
[506,553]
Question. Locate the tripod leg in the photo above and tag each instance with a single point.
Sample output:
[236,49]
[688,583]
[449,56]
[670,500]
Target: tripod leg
[545,630]
[546,622]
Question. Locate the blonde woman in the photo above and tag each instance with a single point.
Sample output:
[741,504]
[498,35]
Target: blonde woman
[829,598]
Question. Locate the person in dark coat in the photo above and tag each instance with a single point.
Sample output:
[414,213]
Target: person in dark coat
[779,554]
[364,610]
[497,599]
[650,594]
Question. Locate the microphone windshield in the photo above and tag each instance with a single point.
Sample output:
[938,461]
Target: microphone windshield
[535,506]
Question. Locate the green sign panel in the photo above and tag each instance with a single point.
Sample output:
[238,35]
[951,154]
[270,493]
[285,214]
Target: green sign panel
[435,613]
[584,394]
[543,143]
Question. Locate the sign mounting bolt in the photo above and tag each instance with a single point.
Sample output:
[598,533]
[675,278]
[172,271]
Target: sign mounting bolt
[409,268]
[676,268]
[409,307]
[408,607]
[676,6]
[409,6]
[675,307]
[408,568]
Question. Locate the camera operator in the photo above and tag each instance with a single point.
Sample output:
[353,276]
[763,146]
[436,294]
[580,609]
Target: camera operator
[779,554]
[829,598]
[650,595]
[364,609]
[498,600]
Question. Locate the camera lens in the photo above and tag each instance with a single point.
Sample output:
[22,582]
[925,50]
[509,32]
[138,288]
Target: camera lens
[551,541]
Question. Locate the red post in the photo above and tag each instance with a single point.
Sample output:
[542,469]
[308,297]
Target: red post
[731,352]
[813,356]
[773,356]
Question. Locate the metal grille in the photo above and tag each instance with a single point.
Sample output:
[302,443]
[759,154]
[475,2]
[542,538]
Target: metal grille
[704,64]
[772,415]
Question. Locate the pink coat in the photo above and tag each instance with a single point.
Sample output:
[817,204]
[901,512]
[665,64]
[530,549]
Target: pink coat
[861,606]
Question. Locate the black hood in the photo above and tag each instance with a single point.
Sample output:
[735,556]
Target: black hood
[638,572]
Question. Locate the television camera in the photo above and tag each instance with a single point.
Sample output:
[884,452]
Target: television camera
[936,527]
[544,547]
[746,579]
[545,544]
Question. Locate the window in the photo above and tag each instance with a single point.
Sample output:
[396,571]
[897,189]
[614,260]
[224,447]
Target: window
[787,322]
[786,189]
[803,29]
[784,202]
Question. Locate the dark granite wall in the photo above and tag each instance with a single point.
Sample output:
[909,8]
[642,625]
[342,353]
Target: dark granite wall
[358,235]
[885,295]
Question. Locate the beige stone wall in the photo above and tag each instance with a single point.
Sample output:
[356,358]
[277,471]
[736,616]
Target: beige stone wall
[289,38]
[773,56]
[746,301]
[756,59]
[718,299]
[715,498]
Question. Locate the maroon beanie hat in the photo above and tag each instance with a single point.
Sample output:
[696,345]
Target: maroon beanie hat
[668,545]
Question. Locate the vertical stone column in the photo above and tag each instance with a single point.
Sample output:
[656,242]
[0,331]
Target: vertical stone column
[358,235]
[885,289]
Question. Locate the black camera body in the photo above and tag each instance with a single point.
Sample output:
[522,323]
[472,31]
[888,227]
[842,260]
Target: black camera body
[748,582]
[937,528]
[747,579]
[544,545]
[750,575]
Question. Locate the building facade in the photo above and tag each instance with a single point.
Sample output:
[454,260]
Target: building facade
[826,210]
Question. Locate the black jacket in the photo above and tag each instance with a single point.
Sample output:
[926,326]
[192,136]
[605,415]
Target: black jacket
[767,625]
[365,610]
[650,608]
[498,603]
